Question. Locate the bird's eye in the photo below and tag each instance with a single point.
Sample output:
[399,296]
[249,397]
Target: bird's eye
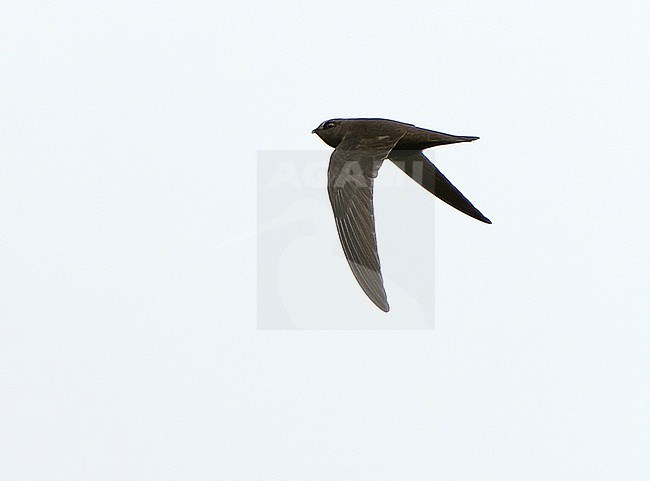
[329,125]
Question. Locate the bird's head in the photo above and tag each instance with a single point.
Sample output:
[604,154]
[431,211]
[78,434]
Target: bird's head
[330,131]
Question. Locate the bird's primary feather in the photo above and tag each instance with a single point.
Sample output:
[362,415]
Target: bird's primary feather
[420,169]
[353,166]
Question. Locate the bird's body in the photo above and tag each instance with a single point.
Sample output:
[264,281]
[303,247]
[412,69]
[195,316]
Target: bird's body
[411,137]
[361,146]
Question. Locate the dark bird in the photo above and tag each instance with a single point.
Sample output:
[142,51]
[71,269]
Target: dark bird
[360,147]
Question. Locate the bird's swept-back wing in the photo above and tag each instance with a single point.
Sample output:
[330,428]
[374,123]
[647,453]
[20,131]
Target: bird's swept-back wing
[352,169]
[419,168]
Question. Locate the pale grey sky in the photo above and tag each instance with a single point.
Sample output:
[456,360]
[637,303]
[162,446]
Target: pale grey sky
[129,348]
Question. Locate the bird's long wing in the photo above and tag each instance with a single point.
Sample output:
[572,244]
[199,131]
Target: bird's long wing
[352,169]
[419,168]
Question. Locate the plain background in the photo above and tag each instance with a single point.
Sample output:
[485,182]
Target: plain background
[128,343]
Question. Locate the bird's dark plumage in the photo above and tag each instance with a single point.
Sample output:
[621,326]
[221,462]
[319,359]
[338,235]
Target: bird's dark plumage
[361,145]
[418,167]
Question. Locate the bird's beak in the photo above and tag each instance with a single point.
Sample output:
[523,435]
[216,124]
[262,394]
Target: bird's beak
[314,131]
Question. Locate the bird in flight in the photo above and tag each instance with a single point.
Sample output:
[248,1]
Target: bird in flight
[360,147]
